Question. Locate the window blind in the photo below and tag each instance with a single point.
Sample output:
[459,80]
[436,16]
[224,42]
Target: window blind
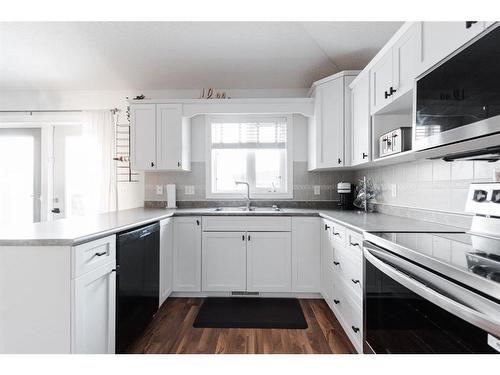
[269,134]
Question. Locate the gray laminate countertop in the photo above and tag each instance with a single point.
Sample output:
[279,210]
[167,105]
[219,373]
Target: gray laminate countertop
[76,230]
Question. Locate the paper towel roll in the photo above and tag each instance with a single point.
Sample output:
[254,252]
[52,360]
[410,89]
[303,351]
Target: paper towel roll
[171,196]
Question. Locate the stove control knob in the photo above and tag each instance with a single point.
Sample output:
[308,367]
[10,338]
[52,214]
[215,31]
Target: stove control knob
[495,197]
[479,195]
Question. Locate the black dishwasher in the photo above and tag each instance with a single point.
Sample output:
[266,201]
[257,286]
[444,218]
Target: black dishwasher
[137,282]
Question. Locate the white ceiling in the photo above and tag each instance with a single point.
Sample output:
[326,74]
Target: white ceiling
[160,55]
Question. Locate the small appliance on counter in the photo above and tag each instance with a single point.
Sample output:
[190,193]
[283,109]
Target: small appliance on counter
[346,193]
[395,141]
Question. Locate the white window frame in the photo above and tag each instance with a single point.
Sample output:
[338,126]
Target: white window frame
[253,194]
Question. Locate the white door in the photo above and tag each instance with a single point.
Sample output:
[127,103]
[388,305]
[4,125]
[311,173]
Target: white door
[224,261]
[269,259]
[361,121]
[381,82]
[20,176]
[326,261]
[407,55]
[143,136]
[440,39]
[93,311]
[187,254]
[332,123]
[169,136]
[306,256]
[166,258]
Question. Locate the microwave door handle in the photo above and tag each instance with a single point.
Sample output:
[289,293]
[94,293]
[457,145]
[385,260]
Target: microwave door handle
[457,308]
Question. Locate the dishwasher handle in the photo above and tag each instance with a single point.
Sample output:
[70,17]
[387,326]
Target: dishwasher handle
[449,296]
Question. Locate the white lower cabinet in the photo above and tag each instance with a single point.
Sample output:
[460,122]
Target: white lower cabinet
[187,254]
[224,261]
[166,258]
[306,255]
[269,267]
[93,311]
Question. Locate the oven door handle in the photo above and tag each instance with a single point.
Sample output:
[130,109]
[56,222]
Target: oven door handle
[443,293]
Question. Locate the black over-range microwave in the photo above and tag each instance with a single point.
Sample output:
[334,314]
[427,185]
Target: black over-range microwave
[457,109]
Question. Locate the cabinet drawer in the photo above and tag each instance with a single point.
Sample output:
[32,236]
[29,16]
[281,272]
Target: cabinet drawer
[350,271]
[90,255]
[338,233]
[245,223]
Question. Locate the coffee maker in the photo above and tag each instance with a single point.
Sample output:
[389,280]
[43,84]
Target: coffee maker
[346,193]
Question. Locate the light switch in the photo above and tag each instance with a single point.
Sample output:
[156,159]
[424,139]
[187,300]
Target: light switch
[189,190]
[159,189]
[316,190]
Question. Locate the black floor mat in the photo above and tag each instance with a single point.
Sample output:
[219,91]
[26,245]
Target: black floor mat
[250,313]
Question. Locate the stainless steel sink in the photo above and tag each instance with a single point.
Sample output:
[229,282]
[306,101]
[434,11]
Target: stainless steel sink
[250,209]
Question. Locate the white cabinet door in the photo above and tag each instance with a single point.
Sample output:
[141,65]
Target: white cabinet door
[93,311]
[170,137]
[224,261]
[407,55]
[361,121]
[143,136]
[326,261]
[187,254]
[166,258]
[269,259]
[440,39]
[381,82]
[332,123]
[306,255]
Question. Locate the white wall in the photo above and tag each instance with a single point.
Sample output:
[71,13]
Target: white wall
[132,194]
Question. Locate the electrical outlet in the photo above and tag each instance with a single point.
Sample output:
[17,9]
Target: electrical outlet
[159,189]
[316,190]
[189,190]
[394,190]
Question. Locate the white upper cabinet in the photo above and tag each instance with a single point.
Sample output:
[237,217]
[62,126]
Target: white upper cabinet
[361,120]
[160,137]
[143,136]
[440,39]
[331,121]
[394,73]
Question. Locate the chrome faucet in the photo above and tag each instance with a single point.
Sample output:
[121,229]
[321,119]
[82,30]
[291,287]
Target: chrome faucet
[248,192]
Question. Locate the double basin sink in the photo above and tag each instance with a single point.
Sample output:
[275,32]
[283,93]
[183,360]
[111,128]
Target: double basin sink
[248,209]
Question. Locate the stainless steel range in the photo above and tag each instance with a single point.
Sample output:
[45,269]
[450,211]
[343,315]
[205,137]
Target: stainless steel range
[436,292]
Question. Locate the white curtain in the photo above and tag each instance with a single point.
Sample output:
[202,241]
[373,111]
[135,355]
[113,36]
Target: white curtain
[98,132]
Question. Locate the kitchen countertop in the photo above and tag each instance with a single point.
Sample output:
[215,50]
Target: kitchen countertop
[73,231]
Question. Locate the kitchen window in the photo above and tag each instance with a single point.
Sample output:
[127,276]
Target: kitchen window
[254,149]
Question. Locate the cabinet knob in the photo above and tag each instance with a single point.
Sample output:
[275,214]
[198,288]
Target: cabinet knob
[327,227]
[468,24]
[178,163]
[365,155]
[386,94]
[355,329]
[336,301]
[339,161]
[243,237]
[152,164]
[336,263]
[392,90]
[197,222]
[248,237]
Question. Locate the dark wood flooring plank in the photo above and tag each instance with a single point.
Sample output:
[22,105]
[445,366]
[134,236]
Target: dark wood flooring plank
[172,331]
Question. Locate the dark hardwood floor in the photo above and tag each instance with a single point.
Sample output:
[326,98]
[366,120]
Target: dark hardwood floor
[172,332]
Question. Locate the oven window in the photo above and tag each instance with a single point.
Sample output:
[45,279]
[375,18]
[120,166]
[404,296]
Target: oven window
[462,91]
[399,321]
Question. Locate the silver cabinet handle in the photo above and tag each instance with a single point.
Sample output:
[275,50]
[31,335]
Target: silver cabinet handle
[457,301]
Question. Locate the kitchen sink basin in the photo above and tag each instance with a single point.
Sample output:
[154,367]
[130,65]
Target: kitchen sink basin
[245,209]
